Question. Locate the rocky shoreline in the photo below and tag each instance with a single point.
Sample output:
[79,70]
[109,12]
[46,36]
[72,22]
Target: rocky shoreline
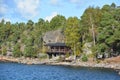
[76,63]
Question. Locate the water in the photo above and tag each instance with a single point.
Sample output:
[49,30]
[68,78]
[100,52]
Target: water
[14,71]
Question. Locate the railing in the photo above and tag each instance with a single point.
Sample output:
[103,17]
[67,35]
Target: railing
[57,50]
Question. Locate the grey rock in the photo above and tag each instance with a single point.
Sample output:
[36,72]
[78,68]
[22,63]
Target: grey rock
[54,36]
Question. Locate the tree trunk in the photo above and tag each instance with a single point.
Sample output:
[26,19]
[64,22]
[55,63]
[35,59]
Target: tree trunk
[75,51]
[93,32]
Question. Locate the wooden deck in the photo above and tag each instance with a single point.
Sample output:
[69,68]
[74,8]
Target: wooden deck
[57,49]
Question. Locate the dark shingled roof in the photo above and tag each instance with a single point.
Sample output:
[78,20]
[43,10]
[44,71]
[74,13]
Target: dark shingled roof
[56,44]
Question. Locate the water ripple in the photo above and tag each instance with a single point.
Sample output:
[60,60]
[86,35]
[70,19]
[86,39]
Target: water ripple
[14,71]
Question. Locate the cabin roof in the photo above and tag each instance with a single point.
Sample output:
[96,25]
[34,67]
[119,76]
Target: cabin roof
[56,44]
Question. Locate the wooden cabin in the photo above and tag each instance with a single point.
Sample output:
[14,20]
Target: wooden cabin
[54,49]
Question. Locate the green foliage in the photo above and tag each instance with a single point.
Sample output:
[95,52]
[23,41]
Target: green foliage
[43,56]
[4,50]
[30,52]
[72,35]
[84,58]
[98,25]
[58,21]
[90,22]
[16,51]
[67,55]
[109,30]
[0,52]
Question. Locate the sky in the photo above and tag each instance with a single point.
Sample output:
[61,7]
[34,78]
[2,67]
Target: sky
[24,10]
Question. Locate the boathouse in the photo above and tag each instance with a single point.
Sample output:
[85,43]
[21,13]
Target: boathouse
[57,49]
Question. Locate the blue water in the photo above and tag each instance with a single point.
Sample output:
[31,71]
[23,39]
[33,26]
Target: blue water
[14,71]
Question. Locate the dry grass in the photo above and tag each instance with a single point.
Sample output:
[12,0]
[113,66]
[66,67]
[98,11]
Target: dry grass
[113,59]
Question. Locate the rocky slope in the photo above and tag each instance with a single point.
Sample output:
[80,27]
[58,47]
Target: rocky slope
[53,36]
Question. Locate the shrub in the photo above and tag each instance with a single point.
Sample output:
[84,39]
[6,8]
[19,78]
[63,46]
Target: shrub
[16,51]
[4,50]
[84,58]
[67,55]
[42,56]
[30,52]
[0,52]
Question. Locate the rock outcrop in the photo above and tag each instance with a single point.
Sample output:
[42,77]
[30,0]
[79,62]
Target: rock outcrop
[54,36]
[87,48]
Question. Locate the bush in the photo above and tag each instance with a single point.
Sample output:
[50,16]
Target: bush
[42,56]
[16,51]
[30,52]
[0,52]
[4,50]
[84,58]
[98,61]
[67,55]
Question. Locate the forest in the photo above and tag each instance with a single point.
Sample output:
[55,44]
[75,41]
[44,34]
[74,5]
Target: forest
[100,26]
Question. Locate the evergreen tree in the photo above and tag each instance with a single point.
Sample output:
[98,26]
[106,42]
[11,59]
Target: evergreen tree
[72,35]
